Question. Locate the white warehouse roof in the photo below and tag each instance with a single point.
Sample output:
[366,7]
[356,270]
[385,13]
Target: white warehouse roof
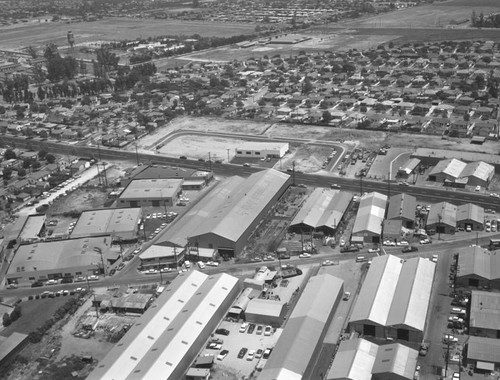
[371,213]
[395,292]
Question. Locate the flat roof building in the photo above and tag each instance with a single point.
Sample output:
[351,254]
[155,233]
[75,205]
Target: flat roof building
[394,299]
[371,212]
[11,345]
[484,317]
[166,339]
[478,267]
[160,256]
[297,349]
[323,210]
[266,312]
[119,223]
[150,193]
[225,218]
[32,228]
[262,149]
[359,359]
[61,258]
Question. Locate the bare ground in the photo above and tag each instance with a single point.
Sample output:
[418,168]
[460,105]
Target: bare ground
[79,200]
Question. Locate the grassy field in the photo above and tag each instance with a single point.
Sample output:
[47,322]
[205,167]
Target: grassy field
[34,314]
[112,29]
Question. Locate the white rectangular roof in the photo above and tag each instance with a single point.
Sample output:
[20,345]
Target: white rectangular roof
[261,145]
[158,188]
[354,360]
[451,167]
[370,214]
[395,293]
[106,221]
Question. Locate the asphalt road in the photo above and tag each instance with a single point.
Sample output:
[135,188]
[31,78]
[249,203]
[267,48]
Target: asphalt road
[350,184]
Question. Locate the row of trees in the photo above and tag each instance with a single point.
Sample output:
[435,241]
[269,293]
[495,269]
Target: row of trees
[482,21]
[14,316]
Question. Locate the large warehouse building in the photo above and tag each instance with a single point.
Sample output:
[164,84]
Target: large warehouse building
[394,299]
[151,193]
[296,352]
[61,258]
[119,223]
[359,359]
[457,173]
[478,267]
[322,211]
[371,212]
[402,207]
[470,216]
[167,338]
[226,217]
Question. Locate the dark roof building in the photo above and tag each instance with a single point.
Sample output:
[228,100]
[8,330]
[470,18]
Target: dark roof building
[402,207]
[478,267]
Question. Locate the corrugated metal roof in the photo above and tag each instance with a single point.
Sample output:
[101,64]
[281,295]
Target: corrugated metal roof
[371,213]
[264,307]
[478,261]
[483,349]
[402,206]
[354,360]
[470,211]
[451,167]
[395,292]
[304,328]
[485,310]
[396,359]
[478,169]
[323,208]
[412,296]
[444,210]
[410,165]
[376,295]
[158,341]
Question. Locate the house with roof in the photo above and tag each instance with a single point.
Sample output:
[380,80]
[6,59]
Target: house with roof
[485,128]
[459,128]
[470,217]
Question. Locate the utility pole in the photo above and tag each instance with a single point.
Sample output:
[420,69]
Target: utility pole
[361,185]
[389,185]
[210,161]
[227,155]
[439,226]
[293,176]
[136,154]
[159,269]
[175,257]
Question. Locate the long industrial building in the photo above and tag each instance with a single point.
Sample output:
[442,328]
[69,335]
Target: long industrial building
[478,267]
[119,223]
[484,319]
[322,211]
[402,207]
[297,349]
[371,212]
[167,338]
[394,299]
[360,359]
[61,258]
[226,217]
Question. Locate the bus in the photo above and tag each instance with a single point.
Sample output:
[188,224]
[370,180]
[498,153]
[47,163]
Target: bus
[494,244]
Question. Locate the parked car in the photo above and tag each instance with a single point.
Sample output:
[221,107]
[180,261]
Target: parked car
[347,295]
[305,255]
[222,331]
[243,327]
[374,250]
[214,346]
[424,347]
[328,263]
[222,354]
[268,331]
[242,353]
[260,328]
[250,355]
[267,353]
[448,338]
[251,328]
[409,249]
[258,354]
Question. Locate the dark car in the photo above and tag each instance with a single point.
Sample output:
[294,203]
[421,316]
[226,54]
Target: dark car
[37,284]
[242,353]
[349,248]
[112,272]
[66,280]
[222,331]
[251,328]
[183,157]
[409,249]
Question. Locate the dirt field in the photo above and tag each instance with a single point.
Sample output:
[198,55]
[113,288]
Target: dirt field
[79,200]
[112,29]
[308,158]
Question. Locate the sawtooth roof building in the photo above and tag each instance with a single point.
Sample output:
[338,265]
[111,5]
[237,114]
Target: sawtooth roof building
[323,210]
[61,258]
[119,223]
[371,212]
[394,299]
[478,267]
[359,359]
[167,338]
[226,217]
[296,352]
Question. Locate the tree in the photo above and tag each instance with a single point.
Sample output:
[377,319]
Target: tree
[106,60]
[214,81]
[16,313]
[32,52]
[307,86]
[327,116]
[26,163]
[42,153]
[6,320]
[9,154]
[21,172]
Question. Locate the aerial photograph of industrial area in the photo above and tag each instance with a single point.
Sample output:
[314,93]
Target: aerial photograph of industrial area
[249,189]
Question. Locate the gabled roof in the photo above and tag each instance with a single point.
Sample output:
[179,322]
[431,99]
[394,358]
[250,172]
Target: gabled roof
[451,167]
[402,206]
[371,213]
[470,211]
[323,208]
[478,169]
[443,213]
[479,262]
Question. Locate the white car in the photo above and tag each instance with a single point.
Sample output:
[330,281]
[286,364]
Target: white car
[456,376]
[450,338]
[305,255]
[250,355]
[93,277]
[435,258]
[328,263]
[425,241]
[243,327]
[268,330]
[212,263]
[403,242]
[374,250]
[222,355]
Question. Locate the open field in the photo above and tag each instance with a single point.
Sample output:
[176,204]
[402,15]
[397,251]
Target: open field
[199,146]
[112,29]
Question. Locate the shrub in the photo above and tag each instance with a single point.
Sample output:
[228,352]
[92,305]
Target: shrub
[6,320]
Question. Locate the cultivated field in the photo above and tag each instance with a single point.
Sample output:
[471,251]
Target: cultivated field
[112,29]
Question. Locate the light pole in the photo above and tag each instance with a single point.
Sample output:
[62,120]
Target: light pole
[159,268]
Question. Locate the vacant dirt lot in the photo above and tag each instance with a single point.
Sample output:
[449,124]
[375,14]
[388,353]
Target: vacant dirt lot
[81,199]
[112,29]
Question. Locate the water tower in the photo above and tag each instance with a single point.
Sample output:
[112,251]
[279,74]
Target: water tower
[71,42]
